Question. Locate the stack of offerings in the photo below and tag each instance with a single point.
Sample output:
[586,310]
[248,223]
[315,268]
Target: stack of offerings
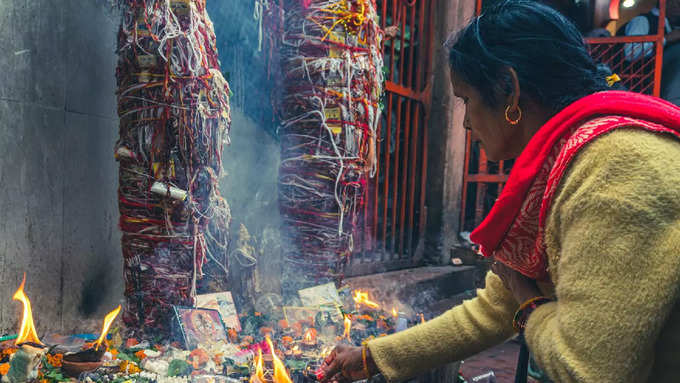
[173,104]
[332,83]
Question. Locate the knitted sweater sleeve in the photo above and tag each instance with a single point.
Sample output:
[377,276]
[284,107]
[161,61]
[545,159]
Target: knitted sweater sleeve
[463,331]
[613,236]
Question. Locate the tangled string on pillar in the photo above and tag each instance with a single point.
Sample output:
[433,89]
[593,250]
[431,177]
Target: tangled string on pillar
[173,104]
[332,83]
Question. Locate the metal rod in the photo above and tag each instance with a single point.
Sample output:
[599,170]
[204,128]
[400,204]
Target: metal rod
[395,177]
[412,182]
[466,178]
[659,48]
[404,177]
[481,189]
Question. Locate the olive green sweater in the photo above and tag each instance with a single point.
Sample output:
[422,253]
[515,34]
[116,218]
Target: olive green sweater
[613,238]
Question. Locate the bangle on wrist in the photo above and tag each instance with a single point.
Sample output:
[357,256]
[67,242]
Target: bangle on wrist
[519,322]
[364,358]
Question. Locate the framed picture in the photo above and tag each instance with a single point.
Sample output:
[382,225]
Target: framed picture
[325,297]
[200,327]
[295,314]
[224,303]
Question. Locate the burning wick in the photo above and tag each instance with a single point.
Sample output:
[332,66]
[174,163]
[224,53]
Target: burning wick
[27,331]
[362,298]
[348,327]
[259,369]
[25,363]
[394,312]
[280,373]
[310,337]
[110,317]
[422,318]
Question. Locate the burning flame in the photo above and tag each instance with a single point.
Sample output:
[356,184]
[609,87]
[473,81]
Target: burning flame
[259,369]
[308,336]
[361,297]
[27,332]
[105,328]
[280,373]
[348,327]
[422,318]
[394,312]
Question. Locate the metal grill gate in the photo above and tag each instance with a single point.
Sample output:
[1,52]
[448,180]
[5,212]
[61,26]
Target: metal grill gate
[394,212]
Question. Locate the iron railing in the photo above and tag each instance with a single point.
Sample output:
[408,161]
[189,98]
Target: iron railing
[395,213]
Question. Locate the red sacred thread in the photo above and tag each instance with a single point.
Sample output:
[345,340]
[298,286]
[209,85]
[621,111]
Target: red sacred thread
[173,105]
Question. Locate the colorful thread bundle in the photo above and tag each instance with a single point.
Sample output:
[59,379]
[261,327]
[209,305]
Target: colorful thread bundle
[173,104]
[332,64]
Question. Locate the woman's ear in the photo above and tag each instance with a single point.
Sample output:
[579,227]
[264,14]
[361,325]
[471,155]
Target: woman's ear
[512,100]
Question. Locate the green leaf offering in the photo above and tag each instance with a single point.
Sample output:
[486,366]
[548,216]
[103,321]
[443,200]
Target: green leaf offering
[179,367]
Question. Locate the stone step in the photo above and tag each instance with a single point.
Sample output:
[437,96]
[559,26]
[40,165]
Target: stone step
[425,289]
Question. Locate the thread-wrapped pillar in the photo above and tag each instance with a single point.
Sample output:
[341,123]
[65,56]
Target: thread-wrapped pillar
[173,104]
[332,81]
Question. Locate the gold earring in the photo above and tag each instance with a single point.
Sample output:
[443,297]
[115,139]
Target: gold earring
[507,115]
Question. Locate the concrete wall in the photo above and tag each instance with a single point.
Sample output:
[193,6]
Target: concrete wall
[58,178]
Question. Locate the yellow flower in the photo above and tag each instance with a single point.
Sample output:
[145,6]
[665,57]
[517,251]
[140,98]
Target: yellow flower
[128,367]
[55,360]
[8,351]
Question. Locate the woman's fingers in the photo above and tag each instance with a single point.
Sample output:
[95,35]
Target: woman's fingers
[331,357]
[331,366]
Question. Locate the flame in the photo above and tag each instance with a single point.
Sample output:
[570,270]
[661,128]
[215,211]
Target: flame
[310,335]
[27,332]
[259,369]
[348,327]
[110,317]
[422,318]
[361,297]
[326,352]
[280,373]
[394,312]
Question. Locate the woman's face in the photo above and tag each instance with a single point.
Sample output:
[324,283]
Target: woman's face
[486,124]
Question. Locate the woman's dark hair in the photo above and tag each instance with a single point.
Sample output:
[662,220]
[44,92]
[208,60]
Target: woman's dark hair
[545,49]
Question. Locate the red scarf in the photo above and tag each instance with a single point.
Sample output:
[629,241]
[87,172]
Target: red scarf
[513,231]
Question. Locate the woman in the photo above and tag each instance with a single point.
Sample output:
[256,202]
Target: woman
[586,234]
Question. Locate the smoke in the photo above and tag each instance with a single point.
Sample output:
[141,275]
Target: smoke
[251,161]
[238,30]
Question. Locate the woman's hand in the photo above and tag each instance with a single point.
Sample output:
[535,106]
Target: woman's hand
[522,287]
[344,364]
